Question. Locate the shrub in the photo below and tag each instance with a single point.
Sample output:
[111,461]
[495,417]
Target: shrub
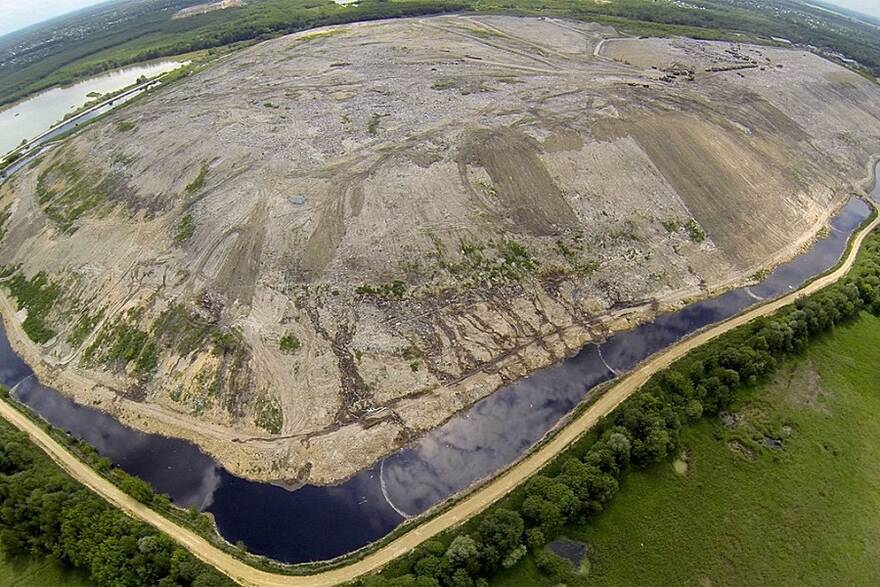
[198,182]
[289,343]
[552,565]
[186,227]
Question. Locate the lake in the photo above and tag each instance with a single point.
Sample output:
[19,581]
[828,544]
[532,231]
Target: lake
[35,115]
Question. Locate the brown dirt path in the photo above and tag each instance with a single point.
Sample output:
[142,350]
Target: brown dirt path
[458,513]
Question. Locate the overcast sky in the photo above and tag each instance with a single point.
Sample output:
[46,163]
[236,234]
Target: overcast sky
[16,14]
[871,7]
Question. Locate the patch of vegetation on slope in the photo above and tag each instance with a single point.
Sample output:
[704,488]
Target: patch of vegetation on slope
[66,192]
[125,126]
[776,491]
[269,415]
[476,264]
[694,231]
[127,343]
[644,431]
[123,345]
[84,326]
[46,514]
[186,331]
[198,181]
[5,213]
[186,227]
[38,295]
[481,264]
[133,344]
[502,262]
[289,343]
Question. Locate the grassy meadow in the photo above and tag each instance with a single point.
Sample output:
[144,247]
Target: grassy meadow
[26,572]
[746,512]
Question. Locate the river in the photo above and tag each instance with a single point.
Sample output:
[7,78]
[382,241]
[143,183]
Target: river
[319,523]
[33,116]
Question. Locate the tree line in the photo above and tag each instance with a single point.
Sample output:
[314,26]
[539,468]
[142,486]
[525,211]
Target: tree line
[44,513]
[643,431]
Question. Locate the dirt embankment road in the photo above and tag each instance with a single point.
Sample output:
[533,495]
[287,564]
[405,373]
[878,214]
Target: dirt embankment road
[464,509]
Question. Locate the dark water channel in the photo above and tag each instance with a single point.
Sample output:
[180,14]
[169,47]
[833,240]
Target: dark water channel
[316,523]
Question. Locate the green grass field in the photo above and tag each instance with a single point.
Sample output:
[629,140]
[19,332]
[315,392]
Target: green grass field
[38,573]
[746,514]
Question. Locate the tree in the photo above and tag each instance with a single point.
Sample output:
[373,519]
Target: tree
[433,566]
[461,578]
[620,446]
[464,553]
[499,532]
[43,512]
[514,556]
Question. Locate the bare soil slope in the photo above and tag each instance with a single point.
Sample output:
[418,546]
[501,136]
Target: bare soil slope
[309,254]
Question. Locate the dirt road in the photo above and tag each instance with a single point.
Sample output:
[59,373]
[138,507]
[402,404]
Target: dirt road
[465,509]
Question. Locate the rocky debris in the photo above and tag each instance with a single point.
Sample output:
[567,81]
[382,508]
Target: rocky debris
[340,240]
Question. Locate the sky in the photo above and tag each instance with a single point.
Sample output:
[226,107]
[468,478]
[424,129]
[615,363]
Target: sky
[871,7]
[16,14]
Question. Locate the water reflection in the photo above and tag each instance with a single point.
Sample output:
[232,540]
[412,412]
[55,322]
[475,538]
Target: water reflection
[498,429]
[311,523]
[317,523]
[191,477]
[495,432]
[35,115]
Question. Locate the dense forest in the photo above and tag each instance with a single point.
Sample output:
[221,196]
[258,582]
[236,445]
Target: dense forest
[643,431]
[149,34]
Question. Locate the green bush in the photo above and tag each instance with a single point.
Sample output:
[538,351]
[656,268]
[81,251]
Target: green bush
[552,565]
[289,343]
[199,181]
[395,289]
[125,126]
[186,227]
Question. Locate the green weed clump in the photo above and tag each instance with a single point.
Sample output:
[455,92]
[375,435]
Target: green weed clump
[269,416]
[125,126]
[289,343]
[495,263]
[695,231]
[39,296]
[199,181]
[394,289]
[84,326]
[5,213]
[66,193]
[186,227]
[124,345]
